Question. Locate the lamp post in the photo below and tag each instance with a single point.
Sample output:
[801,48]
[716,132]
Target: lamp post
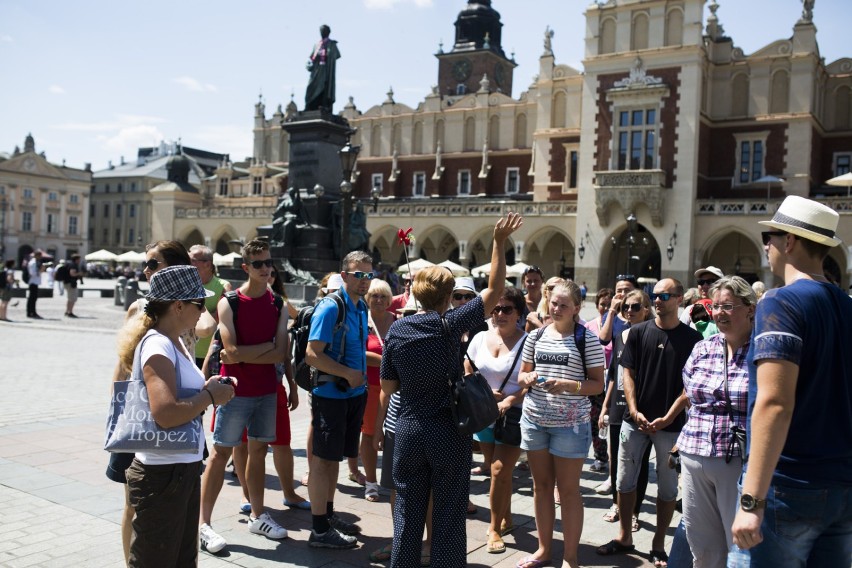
[631,240]
[348,157]
[3,205]
[376,192]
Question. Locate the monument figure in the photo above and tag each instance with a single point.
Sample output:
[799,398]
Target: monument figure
[320,92]
[288,215]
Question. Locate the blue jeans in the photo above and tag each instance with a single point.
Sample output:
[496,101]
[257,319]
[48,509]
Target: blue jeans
[680,555]
[806,527]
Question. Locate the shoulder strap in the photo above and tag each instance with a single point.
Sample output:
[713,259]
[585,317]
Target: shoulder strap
[339,323]
[234,302]
[515,362]
[730,408]
[580,343]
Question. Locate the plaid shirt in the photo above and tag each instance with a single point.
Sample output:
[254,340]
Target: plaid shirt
[708,427]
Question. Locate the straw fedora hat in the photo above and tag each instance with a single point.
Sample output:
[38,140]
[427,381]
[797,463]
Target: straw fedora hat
[807,219]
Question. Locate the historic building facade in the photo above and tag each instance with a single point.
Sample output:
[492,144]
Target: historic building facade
[656,158]
[42,205]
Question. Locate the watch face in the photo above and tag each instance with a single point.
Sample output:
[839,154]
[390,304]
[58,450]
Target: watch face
[747,502]
[461,70]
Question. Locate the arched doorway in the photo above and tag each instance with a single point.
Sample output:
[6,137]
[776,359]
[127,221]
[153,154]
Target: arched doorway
[437,244]
[635,251]
[552,251]
[735,253]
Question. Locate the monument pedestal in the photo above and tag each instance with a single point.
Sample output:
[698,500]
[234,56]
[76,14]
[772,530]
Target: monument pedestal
[316,138]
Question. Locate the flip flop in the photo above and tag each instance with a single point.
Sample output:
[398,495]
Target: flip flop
[301,505]
[495,544]
[635,526]
[530,562]
[471,509]
[358,478]
[611,516]
[425,559]
[383,554]
[659,558]
[614,547]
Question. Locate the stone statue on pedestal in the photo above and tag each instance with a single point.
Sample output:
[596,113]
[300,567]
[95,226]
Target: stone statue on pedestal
[322,65]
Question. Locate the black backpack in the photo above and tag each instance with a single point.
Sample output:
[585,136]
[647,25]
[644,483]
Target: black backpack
[303,373]
[25,272]
[214,364]
[234,302]
[579,342]
[62,273]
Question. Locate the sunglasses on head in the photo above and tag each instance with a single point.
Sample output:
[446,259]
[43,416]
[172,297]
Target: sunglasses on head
[535,269]
[769,234]
[665,296]
[152,264]
[197,303]
[261,263]
[460,297]
[502,310]
[706,281]
[635,308]
[361,275]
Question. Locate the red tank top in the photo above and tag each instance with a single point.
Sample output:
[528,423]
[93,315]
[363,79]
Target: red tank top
[257,320]
[374,345]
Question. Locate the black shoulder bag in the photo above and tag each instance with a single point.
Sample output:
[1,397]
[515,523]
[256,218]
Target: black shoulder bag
[507,429]
[738,435]
[472,402]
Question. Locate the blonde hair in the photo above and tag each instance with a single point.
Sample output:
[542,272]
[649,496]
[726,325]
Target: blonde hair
[135,329]
[380,287]
[432,287]
[544,304]
[643,299]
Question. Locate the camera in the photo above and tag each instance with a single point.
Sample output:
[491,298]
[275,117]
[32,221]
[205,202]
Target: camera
[227,380]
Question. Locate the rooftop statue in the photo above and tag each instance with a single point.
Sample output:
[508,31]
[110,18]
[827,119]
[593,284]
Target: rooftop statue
[322,64]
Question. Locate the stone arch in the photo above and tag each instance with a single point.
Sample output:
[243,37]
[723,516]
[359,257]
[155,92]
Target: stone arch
[191,236]
[521,131]
[779,94]
[607,36]
[494,132]
[559,111]
[417,138]
[639,256]
[479,247]
[552,249]
[469,134]
[674,26]
[842,102]
[739,94]
[219,242]
[384,240]
[437,243]
[376,140]
[735,252]
[639,31]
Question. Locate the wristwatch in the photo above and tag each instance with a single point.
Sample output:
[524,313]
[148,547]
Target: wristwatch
[751,503]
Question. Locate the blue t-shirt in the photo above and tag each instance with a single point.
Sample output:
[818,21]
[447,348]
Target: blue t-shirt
[810,324]
[355,352]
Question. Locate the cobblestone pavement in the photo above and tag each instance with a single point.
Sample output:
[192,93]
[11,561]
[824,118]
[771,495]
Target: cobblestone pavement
[58,509]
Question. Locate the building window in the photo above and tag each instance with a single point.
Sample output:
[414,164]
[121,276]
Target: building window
[131,210]
[28,193]
[464,182]
[51,223]
[256,185]
[2,190]
[106,210]
[52,196]
[513,181]
[461,89]
[132,186]
[130,236]
[106,237]
[419,188]
[106,188]
[118,210]
[74,198]
[223,187]
[636,137]
[751,157]
[72,225]
[573,165]
[92,209]
[118,236]
[92,234]
[119,187]
[842,163]
[377,180]
[26,221]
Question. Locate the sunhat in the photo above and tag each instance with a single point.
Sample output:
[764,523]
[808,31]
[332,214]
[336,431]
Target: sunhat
[180,282]
[807,219]
[335,282]
[410,306]
[464,283]
[712,270]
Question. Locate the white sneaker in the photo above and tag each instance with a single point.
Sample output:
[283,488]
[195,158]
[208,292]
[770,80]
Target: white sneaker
[210,540]
[267,527]
[604,488]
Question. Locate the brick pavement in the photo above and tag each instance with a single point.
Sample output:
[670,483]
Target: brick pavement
[58,509]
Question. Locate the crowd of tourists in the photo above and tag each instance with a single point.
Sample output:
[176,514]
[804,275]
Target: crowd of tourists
[728,392]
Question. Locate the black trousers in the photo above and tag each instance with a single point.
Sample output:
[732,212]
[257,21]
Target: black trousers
[32,296]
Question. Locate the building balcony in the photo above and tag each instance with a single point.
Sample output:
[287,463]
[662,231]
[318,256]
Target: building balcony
[470,208]
[629,188]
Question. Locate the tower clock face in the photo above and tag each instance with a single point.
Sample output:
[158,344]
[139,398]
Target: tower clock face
[461,70]
[499,74]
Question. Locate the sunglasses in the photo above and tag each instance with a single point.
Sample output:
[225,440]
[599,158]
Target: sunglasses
[627,277]
[665,296]
[635,308]
[726,307]
[361,275]
[706,281]
[535,269]
[502,310]
[769,234]
[258,264]
[197,303]
[460,297]
[152,264]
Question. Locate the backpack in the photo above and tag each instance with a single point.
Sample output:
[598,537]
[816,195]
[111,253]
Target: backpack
[25,273]
[62,273]
[303,373]
[234,302]
[579,341]
[214,364]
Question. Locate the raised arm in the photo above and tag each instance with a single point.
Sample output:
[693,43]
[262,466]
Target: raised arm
[497,278]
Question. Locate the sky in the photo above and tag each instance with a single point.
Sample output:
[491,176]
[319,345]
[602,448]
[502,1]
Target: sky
[93,80]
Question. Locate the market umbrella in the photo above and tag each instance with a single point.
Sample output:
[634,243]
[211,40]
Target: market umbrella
[218,260]
[517,269]
[131,257]
[841,181]
[481,271]
[456,269]
[415,265]
[102,255]
[227,259]
[769,180]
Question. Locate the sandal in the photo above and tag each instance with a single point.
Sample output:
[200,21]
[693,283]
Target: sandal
[659,558]
[530,562]
[383,554]
[506,527]
[495,544]
[425,559]
[305,478]
[611,516]
[556,498]
[357,477]
[371,491]
[614,547]
[635,526]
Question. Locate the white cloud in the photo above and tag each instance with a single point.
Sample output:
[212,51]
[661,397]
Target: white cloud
[232,139]
[388,4]
[130,138]
[56,90]
[121,121]
[192,84]
[6,38]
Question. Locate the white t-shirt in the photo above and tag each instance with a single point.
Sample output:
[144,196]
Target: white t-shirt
[494,369]
[558,358]
[35,273]
[190,377]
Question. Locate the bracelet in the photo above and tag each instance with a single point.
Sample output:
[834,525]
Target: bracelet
[212,400]
[579,386]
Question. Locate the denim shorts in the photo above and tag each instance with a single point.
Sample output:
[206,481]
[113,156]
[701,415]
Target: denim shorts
[255,413]
[561,441]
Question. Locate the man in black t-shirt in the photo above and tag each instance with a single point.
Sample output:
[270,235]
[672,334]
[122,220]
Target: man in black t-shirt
[653,359]
[70,284]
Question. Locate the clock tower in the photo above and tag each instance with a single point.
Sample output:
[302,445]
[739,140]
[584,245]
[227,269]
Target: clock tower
[477,51]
